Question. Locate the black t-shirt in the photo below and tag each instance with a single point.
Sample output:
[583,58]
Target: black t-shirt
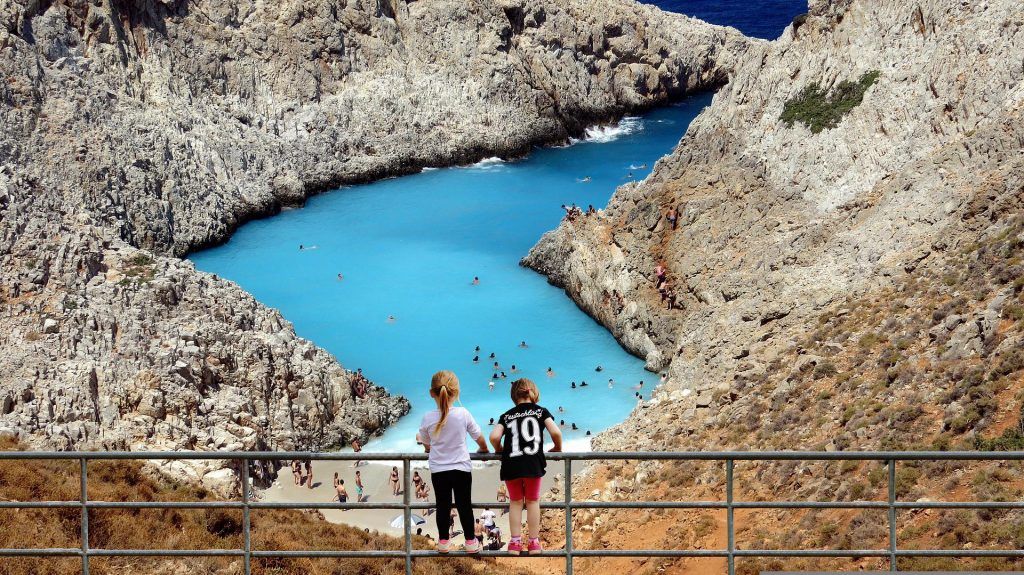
[522,443]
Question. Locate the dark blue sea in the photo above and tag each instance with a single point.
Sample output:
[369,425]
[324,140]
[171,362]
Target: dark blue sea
[759,18]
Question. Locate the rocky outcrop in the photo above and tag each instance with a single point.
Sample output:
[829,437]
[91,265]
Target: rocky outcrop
[137,130]
[847,261]
[777,223]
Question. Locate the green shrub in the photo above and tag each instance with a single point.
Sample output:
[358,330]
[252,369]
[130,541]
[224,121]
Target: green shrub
[816,108]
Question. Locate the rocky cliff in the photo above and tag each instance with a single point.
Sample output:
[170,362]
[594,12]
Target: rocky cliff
[137,130]
[845,262]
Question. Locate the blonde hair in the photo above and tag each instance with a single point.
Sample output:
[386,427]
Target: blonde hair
[445,387]
[525,389]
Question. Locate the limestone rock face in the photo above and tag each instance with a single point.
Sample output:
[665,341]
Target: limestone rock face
[778,223]
[136,131]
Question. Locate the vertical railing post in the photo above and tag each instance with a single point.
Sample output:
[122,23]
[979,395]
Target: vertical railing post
[407,511]
[567,480]
[892,514]
[84,498]
[730,518]
[246,524]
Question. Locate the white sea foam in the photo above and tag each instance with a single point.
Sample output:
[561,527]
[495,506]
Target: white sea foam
[627,125]
[488,163]
[429,169]
[578,444]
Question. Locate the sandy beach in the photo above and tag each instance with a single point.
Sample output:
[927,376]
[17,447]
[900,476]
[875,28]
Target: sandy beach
[378,489]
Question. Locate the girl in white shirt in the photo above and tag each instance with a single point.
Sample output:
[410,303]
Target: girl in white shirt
[443,434]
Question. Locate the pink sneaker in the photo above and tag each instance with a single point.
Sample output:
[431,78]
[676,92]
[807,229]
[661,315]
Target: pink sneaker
[473,546]
[534,547]
[444,546]
[515,547]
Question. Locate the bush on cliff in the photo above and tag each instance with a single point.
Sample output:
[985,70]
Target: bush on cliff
[816,108]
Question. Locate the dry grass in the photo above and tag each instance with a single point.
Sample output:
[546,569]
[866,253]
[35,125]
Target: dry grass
[177,528]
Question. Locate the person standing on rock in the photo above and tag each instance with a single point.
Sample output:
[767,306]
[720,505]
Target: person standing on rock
[672,216]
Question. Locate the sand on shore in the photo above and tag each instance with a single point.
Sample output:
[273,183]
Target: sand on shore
[378,489]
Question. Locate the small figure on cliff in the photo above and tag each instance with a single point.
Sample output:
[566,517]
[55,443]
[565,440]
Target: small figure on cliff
[673,217]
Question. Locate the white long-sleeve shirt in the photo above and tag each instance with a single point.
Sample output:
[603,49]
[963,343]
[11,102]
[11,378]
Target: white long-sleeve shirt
[448,449]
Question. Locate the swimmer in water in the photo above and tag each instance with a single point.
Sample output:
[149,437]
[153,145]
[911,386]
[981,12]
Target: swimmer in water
[551,372]
[640,386]
[340,277]
[494,375]
[301,247]
[503,376]
[514,368]
[561,423]
[490,386]
[588,433]
[611,382]
[495,365]
[523,345]
[476,281]
[391,319]
[561,409]
[574,385]
[583,384]
[476,359]
[574,428]
[491,422]
[599,368]
[492,355]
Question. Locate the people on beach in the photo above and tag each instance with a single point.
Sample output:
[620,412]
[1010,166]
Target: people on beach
[488,518]
[396,481]
[359,487]
[423,492]
[590,210]
[296,471]
[478,530]
[309,474]
[502,496]
[519,436]
[341,492]
[443,434]
[416,479]
[355,445]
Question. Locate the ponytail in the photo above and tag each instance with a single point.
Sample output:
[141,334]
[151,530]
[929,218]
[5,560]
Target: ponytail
[445,387]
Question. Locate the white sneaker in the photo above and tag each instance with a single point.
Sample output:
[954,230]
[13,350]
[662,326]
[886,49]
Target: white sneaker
[473,546]
[444,546]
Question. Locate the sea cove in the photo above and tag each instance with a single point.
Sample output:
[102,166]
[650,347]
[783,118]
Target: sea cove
[408,249]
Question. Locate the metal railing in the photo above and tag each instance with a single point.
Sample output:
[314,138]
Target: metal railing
[568,505]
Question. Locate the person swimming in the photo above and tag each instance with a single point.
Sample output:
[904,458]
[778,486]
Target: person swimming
[301,247]
[599,368]
[588,433]
[640,386]
[561,423]
[476,359]
[476,280]
[514,368]
[574,428]
[496,365]
[611,382]
[583,384]
[494,375]
[340,277]
[503,376]
[490,385]
[492,355]
[391,319]
[574,385]
[561,409]
[523,345]
[551,372]
[491,422]
[477,350]
[584,180]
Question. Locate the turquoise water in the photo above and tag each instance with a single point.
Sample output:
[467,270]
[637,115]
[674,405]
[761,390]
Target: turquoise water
[410,247]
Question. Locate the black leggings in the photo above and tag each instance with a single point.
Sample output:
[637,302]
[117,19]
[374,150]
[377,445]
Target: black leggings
[459,483]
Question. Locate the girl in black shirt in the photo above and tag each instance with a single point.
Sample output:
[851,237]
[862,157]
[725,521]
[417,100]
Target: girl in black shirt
[519,437]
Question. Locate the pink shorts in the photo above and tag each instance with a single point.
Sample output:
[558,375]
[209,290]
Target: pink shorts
[527,488]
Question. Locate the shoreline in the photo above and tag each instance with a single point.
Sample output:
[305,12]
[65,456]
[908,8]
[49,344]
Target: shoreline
[378,490]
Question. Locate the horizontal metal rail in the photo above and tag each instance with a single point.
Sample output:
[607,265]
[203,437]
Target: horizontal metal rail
[568,505]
